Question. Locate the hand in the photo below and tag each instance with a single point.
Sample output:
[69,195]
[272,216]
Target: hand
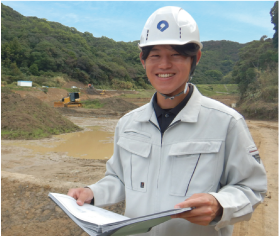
[206,208]
[82,195]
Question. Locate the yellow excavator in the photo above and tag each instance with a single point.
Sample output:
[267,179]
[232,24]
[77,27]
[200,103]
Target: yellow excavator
[73,100]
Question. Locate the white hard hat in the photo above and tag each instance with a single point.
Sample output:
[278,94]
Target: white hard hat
[170,26]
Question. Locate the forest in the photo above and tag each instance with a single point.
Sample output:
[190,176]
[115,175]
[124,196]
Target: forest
[36,49]
[49,53]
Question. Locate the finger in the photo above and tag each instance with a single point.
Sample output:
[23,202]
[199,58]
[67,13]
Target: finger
[200,220]
[82,198]
[85,196]
[185,214]
[188,214]
[195,219]
[190,202]
[72,193]
[194,201]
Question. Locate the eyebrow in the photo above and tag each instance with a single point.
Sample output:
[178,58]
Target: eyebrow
[155,49]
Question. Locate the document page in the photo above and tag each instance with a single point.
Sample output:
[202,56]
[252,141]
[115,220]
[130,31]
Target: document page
[87,212]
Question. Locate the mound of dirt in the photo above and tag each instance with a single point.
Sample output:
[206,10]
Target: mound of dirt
[30,118]
[112,107]
[118,104]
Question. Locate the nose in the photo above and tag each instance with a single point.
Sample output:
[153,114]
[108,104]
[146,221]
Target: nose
[165,63]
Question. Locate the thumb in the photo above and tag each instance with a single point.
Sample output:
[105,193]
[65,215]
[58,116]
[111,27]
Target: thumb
[182,205]
[86,195]
[82,198]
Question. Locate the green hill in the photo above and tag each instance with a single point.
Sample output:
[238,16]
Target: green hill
[217,61]
[44,52]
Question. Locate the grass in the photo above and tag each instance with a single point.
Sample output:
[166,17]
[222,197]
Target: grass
[34,134]
[217,89]
[21,88]
[72,90]
[205,89]
[92,104]
[141,94]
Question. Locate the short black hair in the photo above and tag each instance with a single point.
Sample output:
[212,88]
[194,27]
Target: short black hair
[188,50]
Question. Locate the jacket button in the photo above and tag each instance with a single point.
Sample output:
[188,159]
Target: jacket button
[167,115]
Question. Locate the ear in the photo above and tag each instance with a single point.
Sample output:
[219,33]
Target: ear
[142,61]
[198,56]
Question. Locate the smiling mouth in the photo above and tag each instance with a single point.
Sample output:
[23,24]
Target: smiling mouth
[165,75]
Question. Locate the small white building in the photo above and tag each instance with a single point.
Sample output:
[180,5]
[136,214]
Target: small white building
[24,83]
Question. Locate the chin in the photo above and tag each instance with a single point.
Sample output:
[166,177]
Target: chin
[166,91]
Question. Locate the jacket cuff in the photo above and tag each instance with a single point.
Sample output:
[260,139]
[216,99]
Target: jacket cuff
[229,216]
[92,201]
[97,199]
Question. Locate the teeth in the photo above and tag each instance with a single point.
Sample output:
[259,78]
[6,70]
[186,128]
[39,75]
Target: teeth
[165,75]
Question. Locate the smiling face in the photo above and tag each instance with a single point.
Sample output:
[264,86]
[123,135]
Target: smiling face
[167,70]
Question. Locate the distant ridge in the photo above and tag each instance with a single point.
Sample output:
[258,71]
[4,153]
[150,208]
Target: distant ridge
[39,49]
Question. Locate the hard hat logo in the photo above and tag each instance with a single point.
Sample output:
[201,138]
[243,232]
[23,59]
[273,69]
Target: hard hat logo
[162,25]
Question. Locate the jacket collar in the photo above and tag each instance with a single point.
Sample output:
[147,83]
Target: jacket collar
[189,113]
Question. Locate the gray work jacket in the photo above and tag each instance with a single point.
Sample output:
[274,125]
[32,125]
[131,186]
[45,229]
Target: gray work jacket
[206,149]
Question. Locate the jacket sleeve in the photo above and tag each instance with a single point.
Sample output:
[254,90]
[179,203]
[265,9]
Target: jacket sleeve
[110,189]
[243,183]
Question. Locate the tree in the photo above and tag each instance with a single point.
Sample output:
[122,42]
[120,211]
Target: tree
[214,75]
[274,20]
[255,58]
[34,69]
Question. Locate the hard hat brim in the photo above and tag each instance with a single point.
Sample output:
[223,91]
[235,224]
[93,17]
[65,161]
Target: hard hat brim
[169,42]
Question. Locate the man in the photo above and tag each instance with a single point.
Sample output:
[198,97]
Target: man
[181,149]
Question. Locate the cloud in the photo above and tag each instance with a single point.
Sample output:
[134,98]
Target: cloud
[255,20]
[71,17]
[116,28]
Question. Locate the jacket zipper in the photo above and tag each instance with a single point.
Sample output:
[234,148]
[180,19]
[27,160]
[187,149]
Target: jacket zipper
[162,134]
[161,144]
[154,125]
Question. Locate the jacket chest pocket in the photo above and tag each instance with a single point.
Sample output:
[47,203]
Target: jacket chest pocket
[193,167]
[135,161]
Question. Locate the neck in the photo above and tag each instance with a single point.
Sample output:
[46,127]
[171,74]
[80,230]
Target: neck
[168,103]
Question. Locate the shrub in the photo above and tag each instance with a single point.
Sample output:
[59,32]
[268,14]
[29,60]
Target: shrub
[269,93]
[119,84]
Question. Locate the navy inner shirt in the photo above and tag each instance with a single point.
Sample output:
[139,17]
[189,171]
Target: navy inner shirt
[166,116]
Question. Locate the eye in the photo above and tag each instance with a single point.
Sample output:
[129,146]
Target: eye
[176,54]
[154,55]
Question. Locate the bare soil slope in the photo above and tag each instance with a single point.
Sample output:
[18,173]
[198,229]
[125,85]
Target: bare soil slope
[29,118]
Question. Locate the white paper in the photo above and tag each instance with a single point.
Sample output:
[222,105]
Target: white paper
[87,212]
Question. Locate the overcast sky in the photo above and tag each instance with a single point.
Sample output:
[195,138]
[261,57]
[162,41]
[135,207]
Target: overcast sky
[238,21]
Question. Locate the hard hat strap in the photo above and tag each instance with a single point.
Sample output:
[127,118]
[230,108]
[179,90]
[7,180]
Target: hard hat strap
[172,97]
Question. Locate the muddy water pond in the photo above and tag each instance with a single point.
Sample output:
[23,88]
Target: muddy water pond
[93,143]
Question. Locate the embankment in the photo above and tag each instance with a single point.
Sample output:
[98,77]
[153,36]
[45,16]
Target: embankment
[26,208]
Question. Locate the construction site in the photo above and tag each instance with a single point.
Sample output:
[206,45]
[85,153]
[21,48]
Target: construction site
[31,168]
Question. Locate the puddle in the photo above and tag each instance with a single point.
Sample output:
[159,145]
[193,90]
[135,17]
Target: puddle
[89,145]
[92,144]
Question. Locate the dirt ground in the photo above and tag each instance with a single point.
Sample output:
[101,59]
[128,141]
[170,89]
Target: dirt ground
[27,177]
[264,221]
